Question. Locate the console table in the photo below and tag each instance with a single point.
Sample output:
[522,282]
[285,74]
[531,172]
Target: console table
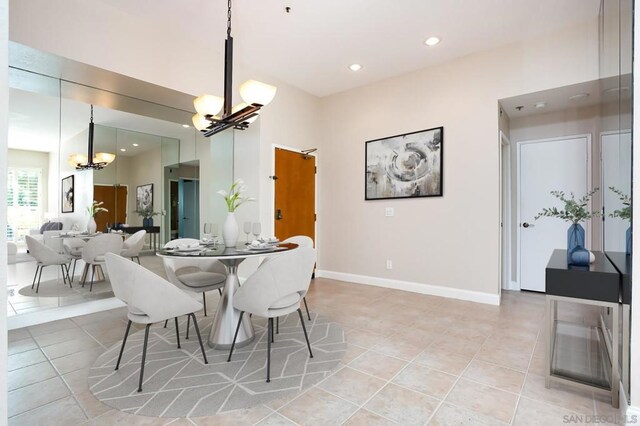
[153,231]
[598,284]
[622,262]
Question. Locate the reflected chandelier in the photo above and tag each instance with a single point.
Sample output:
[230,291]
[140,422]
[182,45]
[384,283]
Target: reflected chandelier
[90,161]
[254,94]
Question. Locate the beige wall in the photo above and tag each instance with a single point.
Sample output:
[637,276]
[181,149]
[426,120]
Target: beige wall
[450,242]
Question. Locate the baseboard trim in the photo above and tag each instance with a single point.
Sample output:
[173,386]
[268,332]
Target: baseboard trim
[432,290]
[63,312]
[512,285]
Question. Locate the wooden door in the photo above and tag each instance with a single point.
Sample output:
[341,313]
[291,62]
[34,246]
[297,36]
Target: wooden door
[115,200]
[295,194]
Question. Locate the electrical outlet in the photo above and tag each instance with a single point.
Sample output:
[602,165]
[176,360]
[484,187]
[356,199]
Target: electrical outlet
[389,264]
[389,212]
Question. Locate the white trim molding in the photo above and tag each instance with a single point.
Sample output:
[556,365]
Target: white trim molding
[432,290]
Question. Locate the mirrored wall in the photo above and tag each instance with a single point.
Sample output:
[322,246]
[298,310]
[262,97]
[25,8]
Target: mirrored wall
[163,177]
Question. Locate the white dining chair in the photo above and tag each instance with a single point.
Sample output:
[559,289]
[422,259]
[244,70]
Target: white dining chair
[52,240]
[45,256]
[73,248]
[146,295]
[276,289]
[94,252]
[194,274]
[132,246]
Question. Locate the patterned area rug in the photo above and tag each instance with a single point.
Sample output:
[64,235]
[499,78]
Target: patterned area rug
[56,288]
[177,383]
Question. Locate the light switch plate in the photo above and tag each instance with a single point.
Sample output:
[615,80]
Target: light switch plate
[389,212]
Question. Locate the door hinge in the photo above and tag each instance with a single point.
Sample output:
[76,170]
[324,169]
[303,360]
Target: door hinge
[315,217]
[316,169]
[273,177]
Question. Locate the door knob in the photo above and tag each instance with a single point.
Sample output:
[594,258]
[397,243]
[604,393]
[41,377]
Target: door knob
[526,225]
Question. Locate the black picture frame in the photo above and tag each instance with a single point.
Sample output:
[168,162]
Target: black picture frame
[144,197]
[67,194]
[425,151]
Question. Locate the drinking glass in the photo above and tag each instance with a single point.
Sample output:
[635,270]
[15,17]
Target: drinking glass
[256,229]
[247,229]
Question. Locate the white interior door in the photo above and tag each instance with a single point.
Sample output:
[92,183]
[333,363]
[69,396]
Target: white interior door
[544,166]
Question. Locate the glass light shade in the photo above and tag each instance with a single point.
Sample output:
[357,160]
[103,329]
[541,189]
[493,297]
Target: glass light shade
[103,157]
[75,159]
[208,104]
[255,92]
[200,122]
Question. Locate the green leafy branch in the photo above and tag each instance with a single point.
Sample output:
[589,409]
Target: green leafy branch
[574,210]
[624,212]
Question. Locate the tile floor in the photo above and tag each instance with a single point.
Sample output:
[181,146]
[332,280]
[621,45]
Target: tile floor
[412,359]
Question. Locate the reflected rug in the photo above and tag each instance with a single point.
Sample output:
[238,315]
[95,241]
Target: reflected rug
[177,383]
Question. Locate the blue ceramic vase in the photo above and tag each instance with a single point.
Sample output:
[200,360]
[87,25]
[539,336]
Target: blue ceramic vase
[575,240]
[628,235]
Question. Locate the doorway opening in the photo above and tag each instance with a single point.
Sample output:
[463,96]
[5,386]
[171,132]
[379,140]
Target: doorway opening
[114,199]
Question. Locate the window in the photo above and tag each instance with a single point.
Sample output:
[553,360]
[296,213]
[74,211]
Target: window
[24,201]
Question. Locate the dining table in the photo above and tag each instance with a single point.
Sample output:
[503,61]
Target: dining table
[226,316]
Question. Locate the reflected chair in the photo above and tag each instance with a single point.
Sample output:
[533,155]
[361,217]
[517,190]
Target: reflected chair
[193,274]
[274,290]
[73,248]
[94,252]
[132,246]
[146,295]
[45,256]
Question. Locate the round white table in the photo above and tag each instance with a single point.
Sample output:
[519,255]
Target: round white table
[226,316]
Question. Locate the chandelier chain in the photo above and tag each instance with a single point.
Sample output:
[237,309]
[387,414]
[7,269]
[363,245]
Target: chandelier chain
[229,18]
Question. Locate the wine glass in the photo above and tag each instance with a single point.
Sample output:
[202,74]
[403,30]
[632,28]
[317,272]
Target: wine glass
[206,235]
[256,229]
[247,229]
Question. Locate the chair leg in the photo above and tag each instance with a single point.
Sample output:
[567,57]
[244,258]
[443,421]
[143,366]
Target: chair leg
[235,336]
[144,356]
[39,278]
[220,291]
[68,277]
[305,333]
[195,325]
[277,325]
[93,272]
[204,302]
[64,277]
[124,341]
[35,276]
[165,323]
[188,323]
[272,328]
[270,331]
[74,268]
[177,332]
[304,299]
[138,259]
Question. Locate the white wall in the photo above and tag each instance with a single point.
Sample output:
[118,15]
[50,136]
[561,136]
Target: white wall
[36,160]
[4,114]
[450,242]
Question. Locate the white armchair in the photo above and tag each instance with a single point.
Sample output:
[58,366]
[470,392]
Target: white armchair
[131,246]
[94,254]
[146,295]
[274,290]
[45,256]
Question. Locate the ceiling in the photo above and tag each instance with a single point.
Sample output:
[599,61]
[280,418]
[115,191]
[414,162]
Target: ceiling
[312,46]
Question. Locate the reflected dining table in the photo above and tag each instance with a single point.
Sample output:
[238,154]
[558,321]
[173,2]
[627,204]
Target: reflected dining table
[226,316]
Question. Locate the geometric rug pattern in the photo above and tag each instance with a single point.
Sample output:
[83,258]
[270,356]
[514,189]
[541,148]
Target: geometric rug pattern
[177,383]
[56,288]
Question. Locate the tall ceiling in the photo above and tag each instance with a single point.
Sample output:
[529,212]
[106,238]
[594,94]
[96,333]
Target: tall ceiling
[312,46]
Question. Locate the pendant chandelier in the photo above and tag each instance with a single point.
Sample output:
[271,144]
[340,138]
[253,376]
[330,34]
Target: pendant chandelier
[254,94]
[91,161]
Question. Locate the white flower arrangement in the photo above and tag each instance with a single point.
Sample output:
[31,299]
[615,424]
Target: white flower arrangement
[234,198]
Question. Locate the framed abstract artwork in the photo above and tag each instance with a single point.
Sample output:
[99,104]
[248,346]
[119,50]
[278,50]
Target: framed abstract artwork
[405,166]
[144,198]
[67,194]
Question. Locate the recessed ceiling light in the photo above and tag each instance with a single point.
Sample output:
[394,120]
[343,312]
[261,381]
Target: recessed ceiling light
[355,67]
[122,149]
[186,126]
[579,96]
[432,41]
[135,144]
[540,104]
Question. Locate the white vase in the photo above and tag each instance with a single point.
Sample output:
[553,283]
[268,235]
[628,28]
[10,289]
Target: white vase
[230,230]
[91,226]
